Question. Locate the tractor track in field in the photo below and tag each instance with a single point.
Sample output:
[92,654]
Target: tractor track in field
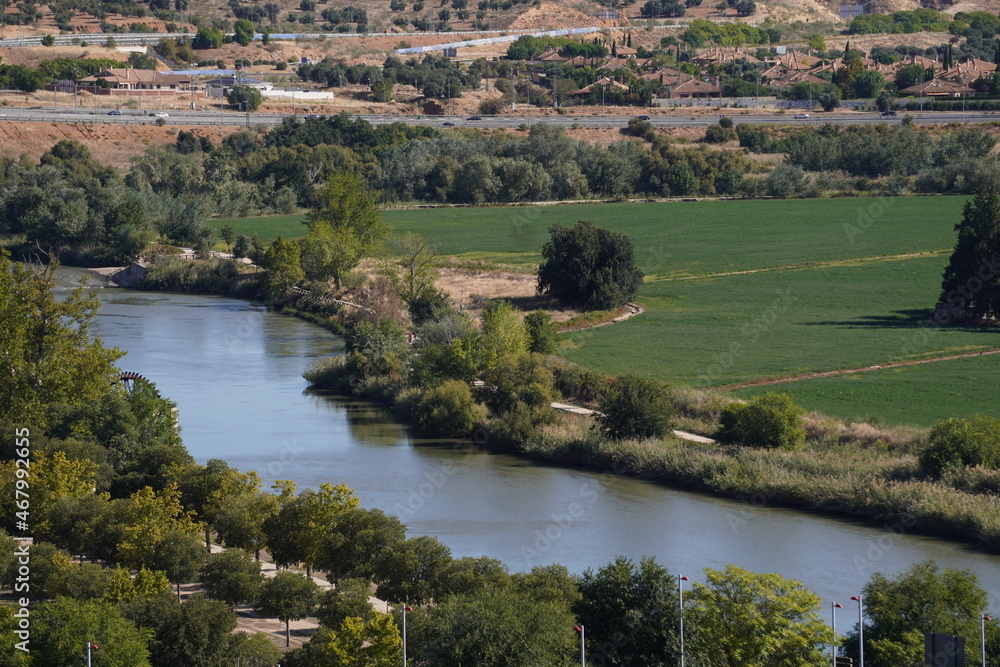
[805,265]
[847,371]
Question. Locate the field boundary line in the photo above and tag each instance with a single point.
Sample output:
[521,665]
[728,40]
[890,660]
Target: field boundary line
[805,265]
[848,371]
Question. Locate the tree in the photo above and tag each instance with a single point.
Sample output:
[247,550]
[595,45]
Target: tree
[363,642]
[355,540]
[298,532]
[349,207]
[635,407]
[638,603]
[149,516]
[542,333]
[521,381]
[232,576]
[910,75]
[195,632]
[348,600]
[382,90]
[957,443]
[588,266]
[239,519]
[412,571]
[414,273]
[48,40]
[282,260]
[448,411]
[494,627]
[502,335]
[744,619]
[288,597]
[868,84]
[207,38]
[60,628]
[925,598]
[771,420]
[829,98]
[180,555]
[241,248]
[971,281]
[40,333]
[247,98]
[244,32]
[817,42]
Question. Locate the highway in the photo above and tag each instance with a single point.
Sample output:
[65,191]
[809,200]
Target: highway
[595,120]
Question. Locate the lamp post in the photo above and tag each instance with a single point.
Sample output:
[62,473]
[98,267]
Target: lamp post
[834,606]
[680,609]
[861,629]
[982,636]
[583,650]
[405,609]
[91,647]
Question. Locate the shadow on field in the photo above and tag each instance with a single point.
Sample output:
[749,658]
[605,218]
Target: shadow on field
[900,319]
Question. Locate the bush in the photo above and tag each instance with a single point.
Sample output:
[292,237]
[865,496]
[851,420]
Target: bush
[636,408]
[541,332]
[448,411]
[957,443]
[726,122]
[719,134]
[772,421]
[491,107]
[577,383]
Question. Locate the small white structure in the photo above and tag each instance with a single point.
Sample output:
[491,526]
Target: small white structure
[220,87]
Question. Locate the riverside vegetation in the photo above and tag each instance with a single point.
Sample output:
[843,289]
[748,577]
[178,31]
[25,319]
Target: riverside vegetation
[112,483]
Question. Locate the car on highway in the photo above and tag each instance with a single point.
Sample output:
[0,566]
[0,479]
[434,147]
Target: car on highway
[801,116]
[160,114]
[115,112]
[643,117]
[312,115]
[448,124]
[890,112]
[473,118]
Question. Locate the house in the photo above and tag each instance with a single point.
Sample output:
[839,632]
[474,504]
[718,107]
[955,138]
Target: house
[139,79]
[600,83]
[220,87]
[695,89]
[938,88]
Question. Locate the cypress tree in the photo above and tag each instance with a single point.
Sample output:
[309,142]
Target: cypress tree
[971,281]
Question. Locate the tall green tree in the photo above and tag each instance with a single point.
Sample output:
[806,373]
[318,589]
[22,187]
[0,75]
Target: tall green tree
[745,619]
[357,536]
[359,642]
[635,407]
[180,555]
[61,628]
[195,632]
[243,34]
[298,532]
[288,597]
[413,570]
[40,333]
[924,598]
[971,282]
[349,207]
[283,263]
[588,266]
[630,613]
[232,576]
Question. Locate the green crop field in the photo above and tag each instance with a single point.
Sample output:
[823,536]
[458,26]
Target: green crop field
[922,394]
[268,227]
[813,308]
[679,238]
[718,331]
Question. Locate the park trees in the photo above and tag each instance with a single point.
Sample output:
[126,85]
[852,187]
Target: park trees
[744,619]
[348,600]
[288,596]
[971,281]
[355,537]
[207,38]
[957,443]
[589,266]
[771,420]
[635,407]
[412,570]
[298,532]
[40,333]
[232,576]
[283,262]
[622,600]
[62,626]
[924,598]
[363,642]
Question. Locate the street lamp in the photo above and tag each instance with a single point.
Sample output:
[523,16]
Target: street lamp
[982,636]
[680,610]
[861,629]
[405,609]
[583,650]
[834,606]
[91,647]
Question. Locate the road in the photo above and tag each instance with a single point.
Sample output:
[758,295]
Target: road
[677,119]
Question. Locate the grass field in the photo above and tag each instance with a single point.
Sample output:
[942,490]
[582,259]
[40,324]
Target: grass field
[680,238]
[922,394]
[814,308]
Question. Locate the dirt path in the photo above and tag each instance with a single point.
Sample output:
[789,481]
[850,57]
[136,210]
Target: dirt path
[805,265]
[847,371]
[587,412]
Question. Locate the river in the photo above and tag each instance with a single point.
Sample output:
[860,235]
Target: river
[234,371]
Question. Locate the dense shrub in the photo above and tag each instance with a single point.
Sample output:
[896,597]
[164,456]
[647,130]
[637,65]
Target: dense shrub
[717,134]
[636,408]
[772,421]
[957,443]
[449,411]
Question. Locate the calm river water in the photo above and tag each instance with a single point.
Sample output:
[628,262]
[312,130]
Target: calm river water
[234,371]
